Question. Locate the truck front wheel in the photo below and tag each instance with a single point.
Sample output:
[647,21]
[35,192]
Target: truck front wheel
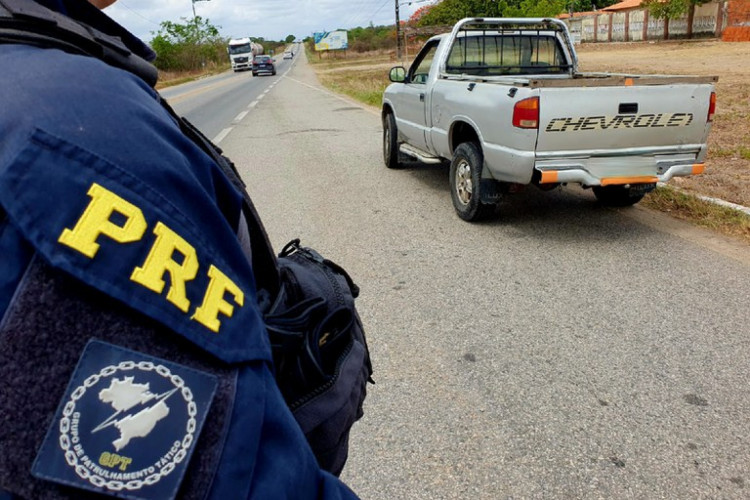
[465,177]
[620,196]
[390,142]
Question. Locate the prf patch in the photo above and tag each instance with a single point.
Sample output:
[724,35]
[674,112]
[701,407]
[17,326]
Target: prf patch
[96,222]
[127,424]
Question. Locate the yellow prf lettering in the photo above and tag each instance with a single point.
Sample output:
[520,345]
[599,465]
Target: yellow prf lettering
[95,221]
[213,301]
[160,260]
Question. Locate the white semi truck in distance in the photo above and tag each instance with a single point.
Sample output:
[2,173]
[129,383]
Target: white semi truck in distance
[241,52]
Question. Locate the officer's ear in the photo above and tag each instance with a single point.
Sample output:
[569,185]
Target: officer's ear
[102,4]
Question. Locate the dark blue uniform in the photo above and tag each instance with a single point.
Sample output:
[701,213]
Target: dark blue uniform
[116,228]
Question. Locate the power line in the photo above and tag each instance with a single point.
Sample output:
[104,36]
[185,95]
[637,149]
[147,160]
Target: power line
[371,16]
[356,17]
[122,3]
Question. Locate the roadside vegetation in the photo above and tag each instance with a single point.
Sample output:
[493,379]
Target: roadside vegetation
[193,49]
[703,213]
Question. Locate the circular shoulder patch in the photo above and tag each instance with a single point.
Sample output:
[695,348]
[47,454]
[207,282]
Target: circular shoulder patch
[126,425]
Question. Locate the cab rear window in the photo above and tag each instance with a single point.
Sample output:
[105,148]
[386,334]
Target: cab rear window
[493,55]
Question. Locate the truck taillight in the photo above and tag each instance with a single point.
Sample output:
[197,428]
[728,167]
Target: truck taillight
[712,106]
[526,113]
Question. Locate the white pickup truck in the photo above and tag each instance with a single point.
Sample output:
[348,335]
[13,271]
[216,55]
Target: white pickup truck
[503,101]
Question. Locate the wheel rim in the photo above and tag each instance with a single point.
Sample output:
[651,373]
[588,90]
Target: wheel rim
[464,187]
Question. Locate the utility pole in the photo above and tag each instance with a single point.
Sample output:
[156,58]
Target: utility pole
[195,18]
[195,23]
[398,34]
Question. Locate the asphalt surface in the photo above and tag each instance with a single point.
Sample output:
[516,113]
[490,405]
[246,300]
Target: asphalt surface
[564,350]
[214,103]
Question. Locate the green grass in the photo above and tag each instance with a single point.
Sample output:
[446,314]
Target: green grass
[171,78]
[700,212]
[364,85]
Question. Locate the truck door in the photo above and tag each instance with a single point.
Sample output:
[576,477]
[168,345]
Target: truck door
[412,118]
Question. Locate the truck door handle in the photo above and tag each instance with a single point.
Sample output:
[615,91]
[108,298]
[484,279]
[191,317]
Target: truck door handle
[421,97]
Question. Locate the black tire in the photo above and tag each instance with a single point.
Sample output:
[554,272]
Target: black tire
[274,73]
[390,142]
[617,196]
[465,176]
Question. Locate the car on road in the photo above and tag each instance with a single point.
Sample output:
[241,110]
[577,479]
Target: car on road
[264,64]
[288,55]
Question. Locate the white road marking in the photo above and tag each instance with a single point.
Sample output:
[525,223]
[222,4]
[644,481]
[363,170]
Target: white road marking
[222,135]
[239,117]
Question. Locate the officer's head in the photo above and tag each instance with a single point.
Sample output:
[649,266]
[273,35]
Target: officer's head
[102,3]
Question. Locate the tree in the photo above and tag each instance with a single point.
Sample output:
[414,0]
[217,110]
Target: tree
[290,38]
[371,38]
[673,9]
[188,45]
[449,12]
[419,14]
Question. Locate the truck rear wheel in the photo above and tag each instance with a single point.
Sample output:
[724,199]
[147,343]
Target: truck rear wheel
[465,176]
[390,142]
[618,196]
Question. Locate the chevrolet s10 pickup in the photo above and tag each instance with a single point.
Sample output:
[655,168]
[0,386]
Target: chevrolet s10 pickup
[504,102]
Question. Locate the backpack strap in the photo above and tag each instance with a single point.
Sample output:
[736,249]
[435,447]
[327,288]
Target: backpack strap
[265,264]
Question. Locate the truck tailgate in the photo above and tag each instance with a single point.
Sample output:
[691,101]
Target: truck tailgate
[622,120]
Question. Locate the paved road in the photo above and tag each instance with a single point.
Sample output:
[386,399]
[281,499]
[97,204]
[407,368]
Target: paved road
[215,103]
[563,351]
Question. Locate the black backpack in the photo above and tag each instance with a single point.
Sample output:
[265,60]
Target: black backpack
[322,363]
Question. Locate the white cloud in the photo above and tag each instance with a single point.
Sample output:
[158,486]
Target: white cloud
[269,19]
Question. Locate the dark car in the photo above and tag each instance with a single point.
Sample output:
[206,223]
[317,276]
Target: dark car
[264,64]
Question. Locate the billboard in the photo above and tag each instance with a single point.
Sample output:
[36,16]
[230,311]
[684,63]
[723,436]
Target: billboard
[332,40]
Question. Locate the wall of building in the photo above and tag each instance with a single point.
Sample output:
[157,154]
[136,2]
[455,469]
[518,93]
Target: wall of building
[738,22]
[730,18]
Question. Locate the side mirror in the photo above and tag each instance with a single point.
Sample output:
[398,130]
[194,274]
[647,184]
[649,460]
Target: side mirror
[397,74]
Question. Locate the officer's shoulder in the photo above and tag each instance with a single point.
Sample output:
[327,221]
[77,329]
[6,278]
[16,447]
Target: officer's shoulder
[42,78]
[80,100]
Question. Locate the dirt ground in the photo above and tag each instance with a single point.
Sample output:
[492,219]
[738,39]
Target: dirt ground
[727,174]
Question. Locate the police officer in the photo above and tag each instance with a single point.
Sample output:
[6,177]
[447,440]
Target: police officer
[133,358]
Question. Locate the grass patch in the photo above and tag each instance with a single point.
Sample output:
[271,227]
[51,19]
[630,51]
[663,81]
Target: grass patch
[721,153]
[364,85]
[171,78]
[363,77]
[703,213]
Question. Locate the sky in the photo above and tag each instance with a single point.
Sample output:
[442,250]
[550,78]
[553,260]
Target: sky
[270,19]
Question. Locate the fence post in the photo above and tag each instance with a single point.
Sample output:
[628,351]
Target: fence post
[645,24]
[719,19]
[596,27]
[627,25]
